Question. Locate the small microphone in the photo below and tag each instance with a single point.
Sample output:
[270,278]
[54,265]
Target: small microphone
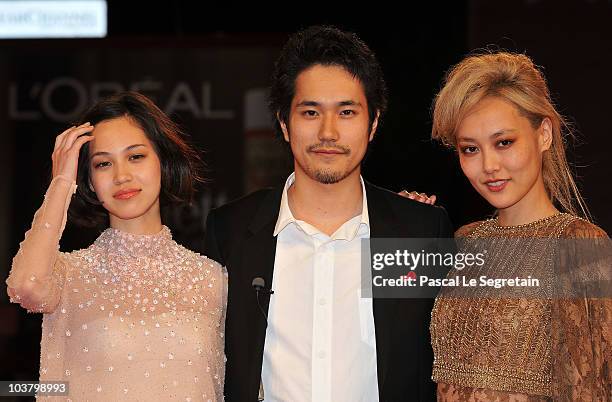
[258,283]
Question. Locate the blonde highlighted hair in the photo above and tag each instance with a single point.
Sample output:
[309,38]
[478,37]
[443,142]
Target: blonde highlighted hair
[515,79]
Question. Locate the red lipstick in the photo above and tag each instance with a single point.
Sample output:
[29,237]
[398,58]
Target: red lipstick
[126,193]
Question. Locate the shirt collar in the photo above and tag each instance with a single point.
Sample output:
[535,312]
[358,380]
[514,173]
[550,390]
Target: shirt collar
[285,217]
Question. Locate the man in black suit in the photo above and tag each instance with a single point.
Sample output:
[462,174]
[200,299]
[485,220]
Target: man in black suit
[322,341]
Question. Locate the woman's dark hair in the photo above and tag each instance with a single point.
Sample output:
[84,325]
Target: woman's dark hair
[180,162]
[327,46]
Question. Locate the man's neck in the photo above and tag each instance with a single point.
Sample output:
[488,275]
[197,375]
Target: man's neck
[325,206]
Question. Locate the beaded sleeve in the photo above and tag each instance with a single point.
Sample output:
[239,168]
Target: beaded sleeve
[37,273]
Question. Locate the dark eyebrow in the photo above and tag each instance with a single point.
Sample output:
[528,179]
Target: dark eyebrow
[494,135]
[126,149]
[307,103]
[349,103]
[315,103]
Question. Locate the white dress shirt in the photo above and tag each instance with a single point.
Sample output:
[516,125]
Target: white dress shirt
[320,340]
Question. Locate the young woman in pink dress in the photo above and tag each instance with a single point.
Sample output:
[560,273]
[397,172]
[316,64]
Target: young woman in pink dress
[135,316]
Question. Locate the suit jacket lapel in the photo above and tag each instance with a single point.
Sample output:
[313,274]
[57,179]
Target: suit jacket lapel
[258,259]
[383,223]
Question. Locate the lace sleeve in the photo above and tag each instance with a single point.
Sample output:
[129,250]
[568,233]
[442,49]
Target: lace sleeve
[218,292]
[38,270]
[581,330]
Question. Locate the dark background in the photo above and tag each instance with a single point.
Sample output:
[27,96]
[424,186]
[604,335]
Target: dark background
[571,40]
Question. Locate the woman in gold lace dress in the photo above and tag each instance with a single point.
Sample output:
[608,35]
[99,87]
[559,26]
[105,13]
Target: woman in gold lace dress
[495,110]
[135,316]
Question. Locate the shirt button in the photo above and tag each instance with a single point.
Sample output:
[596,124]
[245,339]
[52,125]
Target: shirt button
[322,355]
[322,301]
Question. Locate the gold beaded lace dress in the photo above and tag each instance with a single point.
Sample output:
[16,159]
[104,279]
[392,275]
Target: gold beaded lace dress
[130,318]
[523,348]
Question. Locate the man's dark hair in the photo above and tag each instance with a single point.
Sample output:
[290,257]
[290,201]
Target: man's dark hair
[326,46]
[179,161]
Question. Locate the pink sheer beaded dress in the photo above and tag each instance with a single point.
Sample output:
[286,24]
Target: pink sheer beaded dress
[132,317]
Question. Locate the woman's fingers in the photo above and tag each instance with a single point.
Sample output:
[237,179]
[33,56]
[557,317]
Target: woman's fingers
[66,152]
[78,143]
[77,132]
[60,138]
[406,194]
[66,135]
[420,197]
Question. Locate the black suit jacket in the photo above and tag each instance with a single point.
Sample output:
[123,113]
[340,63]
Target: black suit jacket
[239,235]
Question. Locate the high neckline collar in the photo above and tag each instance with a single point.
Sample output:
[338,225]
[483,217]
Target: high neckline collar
[117,241]
[535,224]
